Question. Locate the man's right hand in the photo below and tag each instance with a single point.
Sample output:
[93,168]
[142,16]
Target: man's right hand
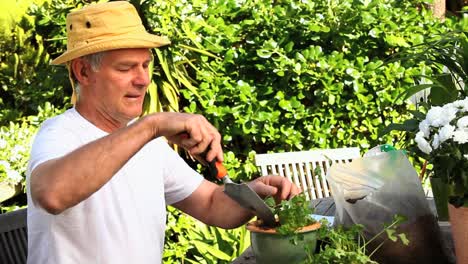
[203,138]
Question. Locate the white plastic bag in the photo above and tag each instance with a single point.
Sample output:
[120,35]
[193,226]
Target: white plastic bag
[371,190]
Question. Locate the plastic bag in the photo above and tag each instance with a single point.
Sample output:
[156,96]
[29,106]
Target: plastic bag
[371,190]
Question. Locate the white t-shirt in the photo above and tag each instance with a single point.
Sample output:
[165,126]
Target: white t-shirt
[124,221]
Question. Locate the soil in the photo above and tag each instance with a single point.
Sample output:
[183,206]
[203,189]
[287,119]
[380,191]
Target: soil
[425,244]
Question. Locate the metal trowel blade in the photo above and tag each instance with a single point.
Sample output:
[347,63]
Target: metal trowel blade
[247,198]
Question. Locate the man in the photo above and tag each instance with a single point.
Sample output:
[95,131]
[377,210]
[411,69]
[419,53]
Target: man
[99,179]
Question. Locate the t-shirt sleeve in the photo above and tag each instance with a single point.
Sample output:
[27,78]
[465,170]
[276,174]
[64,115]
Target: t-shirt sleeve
[49,143]
[180,180]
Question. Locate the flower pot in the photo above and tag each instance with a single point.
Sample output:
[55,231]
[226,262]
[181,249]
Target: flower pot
[270,247]
[459,226]
[440,192]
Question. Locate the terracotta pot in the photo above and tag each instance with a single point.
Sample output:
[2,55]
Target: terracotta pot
[459,226]
[270,247]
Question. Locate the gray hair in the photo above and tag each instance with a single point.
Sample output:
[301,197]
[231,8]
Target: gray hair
[95,61]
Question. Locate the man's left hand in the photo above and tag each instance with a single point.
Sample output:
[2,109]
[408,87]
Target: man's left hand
[277,186]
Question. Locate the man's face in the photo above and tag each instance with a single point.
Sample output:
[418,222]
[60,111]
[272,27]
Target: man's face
[118,88]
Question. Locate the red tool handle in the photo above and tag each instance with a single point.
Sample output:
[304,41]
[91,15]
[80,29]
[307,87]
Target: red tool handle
[217,169]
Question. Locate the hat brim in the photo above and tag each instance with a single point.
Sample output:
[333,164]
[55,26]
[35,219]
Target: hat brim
[113,43]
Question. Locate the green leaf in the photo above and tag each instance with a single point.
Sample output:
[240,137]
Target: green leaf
[410,125]
[165,66]
[396,41]
[391,235]
[201,51]
[404,239]
[413,90]
[211,250]
[264,53]
[445,91]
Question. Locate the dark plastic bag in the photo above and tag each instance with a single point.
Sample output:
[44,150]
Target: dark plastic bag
[371,190]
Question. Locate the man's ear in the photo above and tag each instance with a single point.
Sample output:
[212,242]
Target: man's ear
[81,70]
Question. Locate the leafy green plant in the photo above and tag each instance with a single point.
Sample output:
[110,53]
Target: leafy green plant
[442,139]
[336,244]
[27,81]
[15,144]
[340,245]
[448,53]
[292,75]
[292,214]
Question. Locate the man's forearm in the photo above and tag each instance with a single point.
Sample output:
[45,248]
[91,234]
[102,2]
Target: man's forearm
[61,183]
[229,213]
[212,206]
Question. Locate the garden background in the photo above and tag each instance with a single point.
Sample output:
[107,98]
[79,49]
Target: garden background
[272,76]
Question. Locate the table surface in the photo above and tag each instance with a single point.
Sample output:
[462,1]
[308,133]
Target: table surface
[326,206]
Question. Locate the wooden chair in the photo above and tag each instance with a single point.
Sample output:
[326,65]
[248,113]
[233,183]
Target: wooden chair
[307,169]
[13,237]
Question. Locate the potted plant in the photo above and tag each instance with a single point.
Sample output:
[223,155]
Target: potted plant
[349,245]
[292,238]
[443,139]
[440,128]
[447,57]
[298,238]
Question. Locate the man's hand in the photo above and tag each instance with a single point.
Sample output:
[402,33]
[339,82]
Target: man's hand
[191,132]
[277,186]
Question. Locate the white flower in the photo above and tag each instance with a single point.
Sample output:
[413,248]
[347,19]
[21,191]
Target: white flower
[462,122]
[461,136]
[5,164]
[423,145]
[14,176]
[435,141]
[462,104]
[3,143]
[14,157]
[442,124]
[438,116]
[17,153]
[425,128]
[18,149]
[446,132]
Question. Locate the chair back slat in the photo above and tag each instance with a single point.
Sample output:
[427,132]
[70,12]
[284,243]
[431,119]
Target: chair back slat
[307,169]
[303,179]
[310,181]
[13,237]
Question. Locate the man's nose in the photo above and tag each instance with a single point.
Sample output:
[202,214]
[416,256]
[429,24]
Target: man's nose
[142,77]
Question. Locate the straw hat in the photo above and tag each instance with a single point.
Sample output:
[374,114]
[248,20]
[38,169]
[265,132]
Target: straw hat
[106,26]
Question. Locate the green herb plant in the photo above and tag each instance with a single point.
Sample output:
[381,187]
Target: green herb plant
[348,245]
[292,215]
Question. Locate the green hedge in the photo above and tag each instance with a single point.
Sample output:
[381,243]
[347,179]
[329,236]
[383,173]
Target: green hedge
[27,80]
[295,75]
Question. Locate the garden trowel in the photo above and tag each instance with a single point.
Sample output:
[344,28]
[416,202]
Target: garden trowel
[242,194]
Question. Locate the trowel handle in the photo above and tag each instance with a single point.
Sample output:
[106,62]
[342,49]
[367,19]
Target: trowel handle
[216,168]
